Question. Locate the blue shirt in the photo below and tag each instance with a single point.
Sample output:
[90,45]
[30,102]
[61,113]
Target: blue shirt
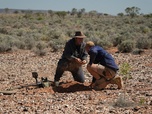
[100,56]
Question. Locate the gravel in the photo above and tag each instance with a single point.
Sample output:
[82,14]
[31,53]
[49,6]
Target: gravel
[72,97]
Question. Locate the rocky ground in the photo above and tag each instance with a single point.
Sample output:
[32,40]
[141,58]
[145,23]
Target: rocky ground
[71,97]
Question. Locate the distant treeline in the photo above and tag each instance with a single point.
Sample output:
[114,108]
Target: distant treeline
[128,11]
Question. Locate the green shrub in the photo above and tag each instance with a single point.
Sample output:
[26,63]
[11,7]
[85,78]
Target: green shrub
[125,68]
[39,52]
[126,46]
[95,40]
[124,99]
[145,29]
[137,51]
[105,43]
[4,47]
[40,45]
[3,30]
[118,40]
[150,40]
[29,43]
[143,43]
[39,49]
[17,43]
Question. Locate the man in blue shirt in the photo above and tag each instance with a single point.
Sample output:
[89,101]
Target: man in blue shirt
[102,67]
[73,57]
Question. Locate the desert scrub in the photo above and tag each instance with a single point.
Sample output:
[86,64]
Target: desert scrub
[39,49]
[144,43]
[105,43]
[125,70]
[124,99]
[4,47]
[126,46]
[102,29]
[118,40]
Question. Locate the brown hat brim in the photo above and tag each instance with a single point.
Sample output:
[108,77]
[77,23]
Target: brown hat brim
[79,36]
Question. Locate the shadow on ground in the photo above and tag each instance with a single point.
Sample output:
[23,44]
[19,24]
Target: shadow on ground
[71,87]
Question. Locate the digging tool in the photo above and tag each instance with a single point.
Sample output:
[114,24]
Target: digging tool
[35,76]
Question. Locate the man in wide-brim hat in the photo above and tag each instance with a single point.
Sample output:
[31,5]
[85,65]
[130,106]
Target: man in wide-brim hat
[73,57]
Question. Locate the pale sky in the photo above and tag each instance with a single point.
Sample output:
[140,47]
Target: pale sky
[112,7]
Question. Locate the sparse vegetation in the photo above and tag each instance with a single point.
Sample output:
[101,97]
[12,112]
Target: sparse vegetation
[124,99]
[36,32]
[25,28]
[126,46]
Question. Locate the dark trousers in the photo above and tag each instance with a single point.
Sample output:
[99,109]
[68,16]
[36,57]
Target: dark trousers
[65,65]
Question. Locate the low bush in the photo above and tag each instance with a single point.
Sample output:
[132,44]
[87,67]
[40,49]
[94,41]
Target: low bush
[143,43]
[126,46]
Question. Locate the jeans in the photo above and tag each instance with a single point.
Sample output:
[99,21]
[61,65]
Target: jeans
[75,69]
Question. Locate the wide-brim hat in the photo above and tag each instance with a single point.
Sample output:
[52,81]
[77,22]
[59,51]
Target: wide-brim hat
[79,34]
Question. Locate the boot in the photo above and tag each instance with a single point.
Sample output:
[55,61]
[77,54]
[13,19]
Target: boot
[100,84]
[118,81]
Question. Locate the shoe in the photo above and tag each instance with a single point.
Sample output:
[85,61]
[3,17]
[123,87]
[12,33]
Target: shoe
[56,83]
[118,81]
[100,84]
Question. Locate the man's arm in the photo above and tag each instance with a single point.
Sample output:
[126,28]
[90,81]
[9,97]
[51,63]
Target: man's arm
[68,51]
[92,57]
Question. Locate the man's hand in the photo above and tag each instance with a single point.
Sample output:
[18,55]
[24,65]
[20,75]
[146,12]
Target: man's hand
[84,62]
[80,61]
